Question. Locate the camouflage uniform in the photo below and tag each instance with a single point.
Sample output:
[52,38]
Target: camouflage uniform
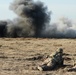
[52,61]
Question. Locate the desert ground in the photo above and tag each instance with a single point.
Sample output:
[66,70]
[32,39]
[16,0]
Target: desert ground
[21,56]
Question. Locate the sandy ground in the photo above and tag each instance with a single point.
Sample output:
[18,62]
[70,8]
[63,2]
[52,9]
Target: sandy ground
[21,56]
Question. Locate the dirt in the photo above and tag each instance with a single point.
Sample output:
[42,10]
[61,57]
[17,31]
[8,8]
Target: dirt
[21,56]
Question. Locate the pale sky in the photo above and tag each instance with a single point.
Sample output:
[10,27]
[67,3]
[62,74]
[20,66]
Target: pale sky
[59,8]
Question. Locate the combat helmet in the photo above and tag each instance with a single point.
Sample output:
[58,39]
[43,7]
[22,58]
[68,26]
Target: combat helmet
[60,50]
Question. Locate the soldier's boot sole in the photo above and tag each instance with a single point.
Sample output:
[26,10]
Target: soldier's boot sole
[40,68]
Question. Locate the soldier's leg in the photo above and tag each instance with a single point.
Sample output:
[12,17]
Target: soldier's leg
[52,64]
[41,67]
[49,66]
[45,68]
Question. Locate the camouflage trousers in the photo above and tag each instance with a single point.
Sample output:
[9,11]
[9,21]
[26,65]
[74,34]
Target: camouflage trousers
[51,65]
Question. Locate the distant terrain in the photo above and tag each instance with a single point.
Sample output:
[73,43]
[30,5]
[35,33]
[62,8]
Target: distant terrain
[21,56]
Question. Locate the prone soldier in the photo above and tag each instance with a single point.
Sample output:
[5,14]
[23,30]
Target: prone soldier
[52,61]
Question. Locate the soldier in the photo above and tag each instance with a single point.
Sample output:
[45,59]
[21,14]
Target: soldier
[52,61]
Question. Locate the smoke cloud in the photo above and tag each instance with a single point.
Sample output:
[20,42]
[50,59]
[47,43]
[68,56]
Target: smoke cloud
[34,21]
[63,28]
[3,28]
[33,17]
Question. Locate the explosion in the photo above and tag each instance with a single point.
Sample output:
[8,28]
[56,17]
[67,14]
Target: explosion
[34,21]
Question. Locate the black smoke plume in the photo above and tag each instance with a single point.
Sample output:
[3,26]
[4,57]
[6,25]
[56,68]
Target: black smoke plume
[3,28]
[33,17]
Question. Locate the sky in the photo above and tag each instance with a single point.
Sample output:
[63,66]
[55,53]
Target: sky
[59,8]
